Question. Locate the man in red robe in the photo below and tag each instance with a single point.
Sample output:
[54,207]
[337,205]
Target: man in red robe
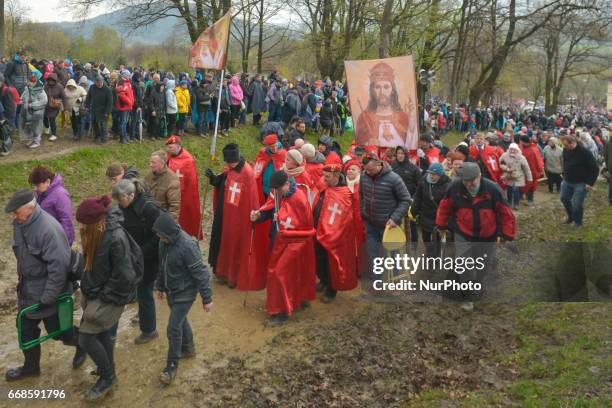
[531,152]
[270,159]
[295,167]
[231,238]
[314,161]
[427,153]
[487,158]
[290,280]
[182,163]
[335,246]
[352,172]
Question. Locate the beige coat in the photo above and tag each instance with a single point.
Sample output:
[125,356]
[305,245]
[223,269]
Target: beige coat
[515,170]
[166,190]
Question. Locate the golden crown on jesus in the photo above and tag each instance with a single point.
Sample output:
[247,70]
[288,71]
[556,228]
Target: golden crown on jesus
[382,72]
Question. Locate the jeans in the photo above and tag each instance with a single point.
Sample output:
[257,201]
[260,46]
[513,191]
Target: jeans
[100,128]
[374,236]
[179,331]
[75,122]
[124,117]
[100,347]
[84,124]
[181,124]
[146,308]
[514,195]
[275,112]
[49,121]
[202,121]
[134,119]
[572,197]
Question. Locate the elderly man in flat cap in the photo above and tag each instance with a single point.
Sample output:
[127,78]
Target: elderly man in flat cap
[43,260]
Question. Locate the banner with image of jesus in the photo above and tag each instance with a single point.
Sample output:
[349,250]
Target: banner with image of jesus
[382,94]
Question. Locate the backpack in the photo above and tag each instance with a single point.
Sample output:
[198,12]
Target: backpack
[13,90]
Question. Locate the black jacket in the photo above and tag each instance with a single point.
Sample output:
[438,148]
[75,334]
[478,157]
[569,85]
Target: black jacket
[118,265]
[383,197]
[99,102]
[138,95]
[426,201]
[182,274]
[579,166]
[157,101]
[409,173]
[138,220]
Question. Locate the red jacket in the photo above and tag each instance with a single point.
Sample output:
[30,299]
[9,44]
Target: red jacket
[482,218]
[125,97]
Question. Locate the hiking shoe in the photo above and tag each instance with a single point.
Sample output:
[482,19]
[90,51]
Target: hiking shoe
[18,373]
[52,138]
[34,145]
[202,135]
[4,154]
[145,338]
[277,320]
[102,387]
[467,306]
[188,351]
[169,374]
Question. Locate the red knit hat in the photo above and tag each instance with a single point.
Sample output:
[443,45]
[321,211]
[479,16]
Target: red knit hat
[351,163]
[91,210]
[333,163]
[173,139]
[270,140]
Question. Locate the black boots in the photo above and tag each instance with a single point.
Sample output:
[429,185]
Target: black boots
[277,320]
[30,368]
[169,374]
[188,351]
[102,387]
[79,358]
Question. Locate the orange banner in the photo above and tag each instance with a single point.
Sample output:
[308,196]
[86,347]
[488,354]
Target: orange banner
[382,94]
[210,49]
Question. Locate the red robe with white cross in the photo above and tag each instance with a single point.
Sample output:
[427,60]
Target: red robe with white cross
[336,233]
[489,157]
[184,166]
[240,197]
[291,274]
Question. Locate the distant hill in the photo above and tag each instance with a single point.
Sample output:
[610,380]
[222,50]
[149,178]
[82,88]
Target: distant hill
[156,33]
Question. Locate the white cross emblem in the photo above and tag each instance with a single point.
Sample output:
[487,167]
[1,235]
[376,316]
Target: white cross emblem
[491,161]
[334,210]
[287,223]
[234,190]
[178,173]
[434,159]
[258,167]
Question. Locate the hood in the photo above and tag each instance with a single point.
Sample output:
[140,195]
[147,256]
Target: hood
[319,158]
[49,68]
[170,85]
[71,83]
[235,80]
[114,218]
[166,227]
[52,76]
[58,181]
[83,80]
[131,173]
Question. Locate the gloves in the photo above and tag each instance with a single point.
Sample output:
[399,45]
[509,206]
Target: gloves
[420,153]
[210,174]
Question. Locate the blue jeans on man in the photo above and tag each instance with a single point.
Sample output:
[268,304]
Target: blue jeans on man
[146,309]
[180,336]
[202,124]
[572,197]
[374,236]
[124,117]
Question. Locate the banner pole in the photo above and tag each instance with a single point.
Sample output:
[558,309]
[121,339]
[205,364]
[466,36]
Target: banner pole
[213,146]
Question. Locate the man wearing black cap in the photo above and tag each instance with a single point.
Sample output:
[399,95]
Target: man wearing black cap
[290,276]
[43,259]
[475,210]
[231,238]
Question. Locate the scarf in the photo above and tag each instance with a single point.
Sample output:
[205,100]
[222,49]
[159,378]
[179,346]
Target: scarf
[294,172]
[351,183]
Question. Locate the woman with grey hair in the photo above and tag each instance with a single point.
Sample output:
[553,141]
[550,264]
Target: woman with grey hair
[139,214]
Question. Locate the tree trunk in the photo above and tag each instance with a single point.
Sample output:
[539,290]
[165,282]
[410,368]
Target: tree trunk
[260,36]
[2,40]
[385,30]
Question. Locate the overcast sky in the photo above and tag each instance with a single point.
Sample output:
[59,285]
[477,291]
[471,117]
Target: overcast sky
[50,10]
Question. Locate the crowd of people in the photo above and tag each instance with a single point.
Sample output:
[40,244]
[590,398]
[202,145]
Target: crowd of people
[296,220]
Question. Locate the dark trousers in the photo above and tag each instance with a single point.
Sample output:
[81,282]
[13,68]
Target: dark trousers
[75,122]
[235,114]
[99,128]
[553,179]
[572,197]
[181,124]
[49,121]
[100,347]
[179,333]
[322,263]
[202,121]
[224,120]
[432,243]
[256,119]
[30,330]
[146,308]
[135,115]
[374,236]
[171,122]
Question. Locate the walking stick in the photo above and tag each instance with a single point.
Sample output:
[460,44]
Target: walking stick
[249,265]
